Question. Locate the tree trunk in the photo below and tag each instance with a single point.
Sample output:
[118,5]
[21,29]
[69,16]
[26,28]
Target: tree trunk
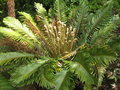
[11,8]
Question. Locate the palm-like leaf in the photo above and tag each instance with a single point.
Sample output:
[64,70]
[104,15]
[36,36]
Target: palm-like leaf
[60,12]
[82,73]
[13,56]
[62,81]
[33,72]
[16,24]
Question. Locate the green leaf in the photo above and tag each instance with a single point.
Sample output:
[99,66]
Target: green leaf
[13,23]
[40,9]
[26,72]
[15,36]
[19,27]
[5,84]
[60,9]
[82,73]
[11,56]
[62,80]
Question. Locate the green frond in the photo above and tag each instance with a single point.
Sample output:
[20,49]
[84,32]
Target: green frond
[102,56]
[5,84]
[81,15]
[100,16]
[82,73]
[46,78]
[60,9]
[18,26]
[33,72]
[106,31]
[114,43]
[62,80]
[13,23]
[40,10]
[13,56]
[28,17]
[15,36]
[42,13]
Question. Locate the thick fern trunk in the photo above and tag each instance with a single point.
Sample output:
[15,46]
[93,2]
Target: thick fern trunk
[11,8]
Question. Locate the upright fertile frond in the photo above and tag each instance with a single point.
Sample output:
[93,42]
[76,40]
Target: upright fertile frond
[13,56]
[60,39]
[60,9]
[62,80]
[5,84]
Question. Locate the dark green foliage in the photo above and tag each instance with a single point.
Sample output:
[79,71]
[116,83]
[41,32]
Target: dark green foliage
[5,84]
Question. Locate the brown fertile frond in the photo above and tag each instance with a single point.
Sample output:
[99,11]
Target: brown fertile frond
[57,38]
[60,39]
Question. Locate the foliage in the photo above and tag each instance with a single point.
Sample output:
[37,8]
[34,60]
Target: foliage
[5,84]
[51,56]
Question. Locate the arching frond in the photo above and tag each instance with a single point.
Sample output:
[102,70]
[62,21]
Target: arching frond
[13,56]
[100,16]
[18,26]
[33,72]
[15,36]
[114,43]
[82,73]
[105,32]
[28,17]
[62,80]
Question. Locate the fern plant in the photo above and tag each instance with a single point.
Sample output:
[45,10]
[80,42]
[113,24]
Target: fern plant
[56,52]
